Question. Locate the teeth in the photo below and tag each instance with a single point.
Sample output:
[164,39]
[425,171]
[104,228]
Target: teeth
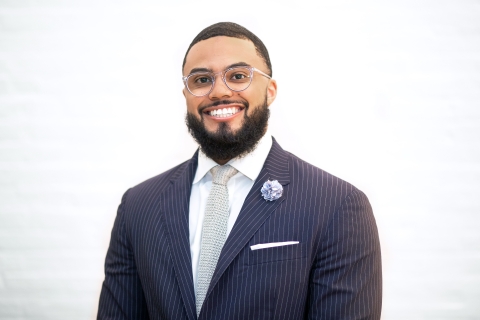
[225,112]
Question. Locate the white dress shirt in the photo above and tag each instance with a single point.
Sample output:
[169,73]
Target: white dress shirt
[238,186]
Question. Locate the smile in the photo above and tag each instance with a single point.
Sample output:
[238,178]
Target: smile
[223,111]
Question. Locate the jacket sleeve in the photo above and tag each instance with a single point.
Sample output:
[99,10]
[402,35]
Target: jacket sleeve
[122,295]
[346,278]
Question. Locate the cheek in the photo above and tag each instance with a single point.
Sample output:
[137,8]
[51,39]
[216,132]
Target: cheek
[256,95]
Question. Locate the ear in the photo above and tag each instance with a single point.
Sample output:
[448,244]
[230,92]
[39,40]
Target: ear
[183,91]
[271,91]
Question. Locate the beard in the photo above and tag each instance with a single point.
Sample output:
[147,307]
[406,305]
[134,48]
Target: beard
[224,144]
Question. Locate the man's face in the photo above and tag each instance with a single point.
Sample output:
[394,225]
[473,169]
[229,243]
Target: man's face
[217,54]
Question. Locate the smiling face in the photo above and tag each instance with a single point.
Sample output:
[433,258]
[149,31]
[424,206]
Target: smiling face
[223,105]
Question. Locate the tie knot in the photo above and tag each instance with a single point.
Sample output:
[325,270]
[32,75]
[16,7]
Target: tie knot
[221,174]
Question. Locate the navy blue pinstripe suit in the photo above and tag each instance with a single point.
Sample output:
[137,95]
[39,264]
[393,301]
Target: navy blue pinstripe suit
[333,273]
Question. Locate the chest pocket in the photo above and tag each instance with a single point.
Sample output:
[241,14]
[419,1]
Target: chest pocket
[282,253]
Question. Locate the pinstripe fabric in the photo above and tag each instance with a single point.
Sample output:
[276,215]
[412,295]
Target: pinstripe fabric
[333,273]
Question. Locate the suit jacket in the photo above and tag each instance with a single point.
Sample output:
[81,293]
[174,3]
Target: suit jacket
[334,272]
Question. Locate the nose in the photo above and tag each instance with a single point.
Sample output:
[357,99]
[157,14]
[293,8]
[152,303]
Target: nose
[220,89]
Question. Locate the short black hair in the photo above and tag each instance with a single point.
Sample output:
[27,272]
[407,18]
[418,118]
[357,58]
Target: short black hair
[230,29]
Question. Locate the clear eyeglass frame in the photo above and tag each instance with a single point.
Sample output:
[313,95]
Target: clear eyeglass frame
[213,76]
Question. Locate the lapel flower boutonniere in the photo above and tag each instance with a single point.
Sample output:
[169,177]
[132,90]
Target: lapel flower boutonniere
[271,190]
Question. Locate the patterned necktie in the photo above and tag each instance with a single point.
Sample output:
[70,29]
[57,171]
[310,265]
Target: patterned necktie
[214,231]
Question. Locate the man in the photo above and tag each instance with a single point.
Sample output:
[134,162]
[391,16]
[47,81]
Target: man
[244,229]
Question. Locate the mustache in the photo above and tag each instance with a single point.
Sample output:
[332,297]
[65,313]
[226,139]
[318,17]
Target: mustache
[219,102]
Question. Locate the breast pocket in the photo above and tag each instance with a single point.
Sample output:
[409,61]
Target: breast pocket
[287,252]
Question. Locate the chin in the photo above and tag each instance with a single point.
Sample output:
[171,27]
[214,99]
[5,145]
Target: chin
[233,127]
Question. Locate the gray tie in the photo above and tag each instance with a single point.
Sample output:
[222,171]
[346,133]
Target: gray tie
[214,231]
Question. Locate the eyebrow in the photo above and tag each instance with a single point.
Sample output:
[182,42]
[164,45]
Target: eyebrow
[233,65]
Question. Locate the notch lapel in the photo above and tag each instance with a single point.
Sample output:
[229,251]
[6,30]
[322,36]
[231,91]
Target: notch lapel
[176,212]
[255,209]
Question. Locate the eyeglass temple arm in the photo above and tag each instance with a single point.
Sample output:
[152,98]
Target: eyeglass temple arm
[261,72]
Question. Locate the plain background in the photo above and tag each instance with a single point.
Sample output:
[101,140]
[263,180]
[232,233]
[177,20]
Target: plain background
[384,94]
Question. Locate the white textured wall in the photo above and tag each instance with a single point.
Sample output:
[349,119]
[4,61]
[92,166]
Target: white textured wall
[385,94]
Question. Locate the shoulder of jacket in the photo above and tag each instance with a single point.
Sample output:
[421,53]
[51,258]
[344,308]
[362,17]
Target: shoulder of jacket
[161,181]
[301,170]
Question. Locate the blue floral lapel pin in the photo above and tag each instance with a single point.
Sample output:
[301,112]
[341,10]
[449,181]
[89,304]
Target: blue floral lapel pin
[271,190]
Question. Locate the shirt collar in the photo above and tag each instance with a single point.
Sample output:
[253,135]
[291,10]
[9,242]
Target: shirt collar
[249,165]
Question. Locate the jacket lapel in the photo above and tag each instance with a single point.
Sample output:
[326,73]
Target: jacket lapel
[255,209]
[176,212]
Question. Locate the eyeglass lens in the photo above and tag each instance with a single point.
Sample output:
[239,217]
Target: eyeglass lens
[237,79]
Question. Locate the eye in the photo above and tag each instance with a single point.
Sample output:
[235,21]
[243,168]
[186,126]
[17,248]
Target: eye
[202,79]
[238,76]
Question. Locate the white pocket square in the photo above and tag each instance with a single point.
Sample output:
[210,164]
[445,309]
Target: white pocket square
[272,244]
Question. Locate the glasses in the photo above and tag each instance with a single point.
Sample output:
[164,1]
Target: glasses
[236,79]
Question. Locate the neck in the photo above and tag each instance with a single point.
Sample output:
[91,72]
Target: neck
[221,162]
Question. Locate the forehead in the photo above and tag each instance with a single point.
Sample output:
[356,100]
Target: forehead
[217,53]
